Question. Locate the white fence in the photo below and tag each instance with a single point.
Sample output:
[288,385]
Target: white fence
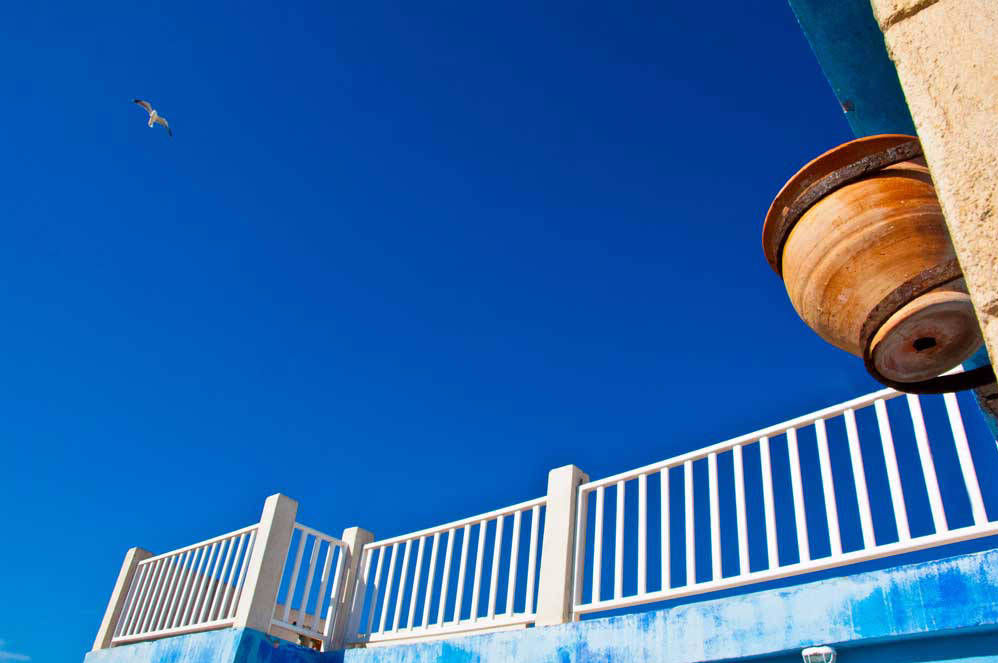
[688,541]
[190,589]
[880,475]
[435,609]
[310,600]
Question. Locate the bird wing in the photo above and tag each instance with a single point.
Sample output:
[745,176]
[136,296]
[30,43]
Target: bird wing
[162,120]
[144,104]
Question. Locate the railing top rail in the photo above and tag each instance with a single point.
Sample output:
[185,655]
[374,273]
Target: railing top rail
[539,501]
[320,535]
[214,539]
[769,431]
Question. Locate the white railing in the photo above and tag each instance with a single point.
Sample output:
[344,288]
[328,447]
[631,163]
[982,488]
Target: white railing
[880,475]
[806,511]
[194,588]
[310,599]
[398,604]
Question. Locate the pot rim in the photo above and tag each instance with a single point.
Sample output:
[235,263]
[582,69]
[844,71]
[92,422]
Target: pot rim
[774,230]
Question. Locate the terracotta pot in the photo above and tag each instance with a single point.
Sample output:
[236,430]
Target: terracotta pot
[859,239]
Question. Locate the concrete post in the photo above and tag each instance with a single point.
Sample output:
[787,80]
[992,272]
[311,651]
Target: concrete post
[119,596]
[263,575]
[351,598]
[945,54]
[554,591]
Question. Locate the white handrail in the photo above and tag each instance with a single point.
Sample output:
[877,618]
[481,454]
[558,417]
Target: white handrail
[805,534]
[404,579]
[186,590]
[326,554]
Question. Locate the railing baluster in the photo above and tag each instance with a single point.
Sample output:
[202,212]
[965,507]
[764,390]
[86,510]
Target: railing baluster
[598,546]
[323,583]
[375,590]
[581,523]
[476,586]
[425,619]
[893,475]
[445,580]
[965,459]
[665,532]
[803,543]
[691,562]
[141,618]
[309,576]
[415,582]
[221,581]
[403,576]
[928,466]
[494,575]
[354,631]
[642,533]
[828,487]
[121,628]
[205,587]
[388,588]
[242,575]
[462,567]
[161,568]
[741,532]
[772,550]
[715,518]
[178,583]
[294,576]
[859,478]
[334,596]
[145,576]
[618,548]
[162,606]
[535,517]
[514,554]
[185,594]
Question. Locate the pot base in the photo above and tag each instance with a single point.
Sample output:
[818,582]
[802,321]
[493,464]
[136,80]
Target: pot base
[928,336]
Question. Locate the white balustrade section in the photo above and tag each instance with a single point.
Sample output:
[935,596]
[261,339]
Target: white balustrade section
[400,595]
[195,588]
[841,485]
[309,600]
[814,539]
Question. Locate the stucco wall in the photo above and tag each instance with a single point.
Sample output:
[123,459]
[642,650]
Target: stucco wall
[900,614]
[932,599]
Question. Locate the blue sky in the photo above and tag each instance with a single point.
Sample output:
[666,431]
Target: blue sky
[397,262]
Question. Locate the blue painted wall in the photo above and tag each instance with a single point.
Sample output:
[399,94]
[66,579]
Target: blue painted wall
[224,646]
[909,613]
[928,600]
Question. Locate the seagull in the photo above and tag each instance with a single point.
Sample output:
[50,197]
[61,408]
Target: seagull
[154,117]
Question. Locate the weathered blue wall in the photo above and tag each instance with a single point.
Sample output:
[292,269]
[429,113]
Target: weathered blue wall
[850,49]
[224,646]
[932,599]
[911,613]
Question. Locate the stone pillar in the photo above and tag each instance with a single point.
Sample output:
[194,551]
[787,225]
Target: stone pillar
[946,54]
[554,591]
[350,603]
[119,596]
[263,575]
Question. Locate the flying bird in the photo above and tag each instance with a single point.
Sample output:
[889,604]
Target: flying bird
[154,117]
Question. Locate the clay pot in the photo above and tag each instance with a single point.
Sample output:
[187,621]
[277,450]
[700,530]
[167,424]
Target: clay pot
[859,239]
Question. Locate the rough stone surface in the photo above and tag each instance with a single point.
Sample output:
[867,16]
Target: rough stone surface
[946,53]
[889,12]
